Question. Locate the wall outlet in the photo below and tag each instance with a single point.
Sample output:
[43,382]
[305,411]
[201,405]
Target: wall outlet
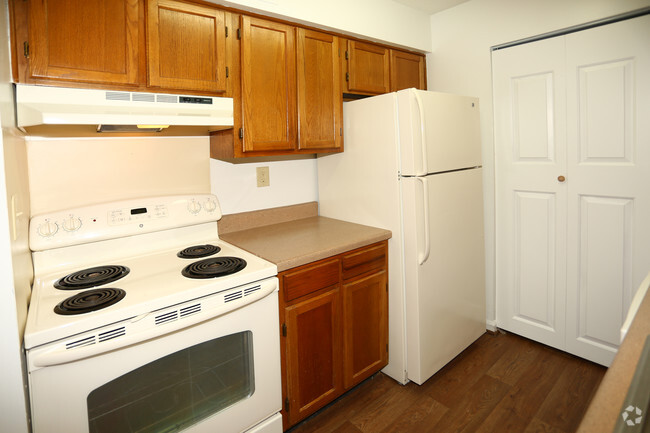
[263,178]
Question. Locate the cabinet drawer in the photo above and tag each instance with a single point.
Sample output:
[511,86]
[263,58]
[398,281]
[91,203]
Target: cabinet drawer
[310,279]
[362,261]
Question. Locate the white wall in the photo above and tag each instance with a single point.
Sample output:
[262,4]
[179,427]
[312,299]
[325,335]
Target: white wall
[461,63]
[291,182]
[15,260]
[379,20]
[66,173]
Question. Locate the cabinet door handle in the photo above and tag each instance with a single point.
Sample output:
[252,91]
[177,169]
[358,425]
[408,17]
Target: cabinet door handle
[561,178]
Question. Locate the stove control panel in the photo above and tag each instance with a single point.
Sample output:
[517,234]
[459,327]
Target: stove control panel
[131,215]
[118,219]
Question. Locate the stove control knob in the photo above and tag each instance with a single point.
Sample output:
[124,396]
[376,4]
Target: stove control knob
[194,207]
[72,223]
[48,228]
[210,205]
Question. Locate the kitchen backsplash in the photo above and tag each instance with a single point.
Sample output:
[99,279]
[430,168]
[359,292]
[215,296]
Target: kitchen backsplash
[65,173]
[71,172]
[291,182]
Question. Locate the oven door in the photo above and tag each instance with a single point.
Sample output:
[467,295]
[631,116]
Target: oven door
[219,375]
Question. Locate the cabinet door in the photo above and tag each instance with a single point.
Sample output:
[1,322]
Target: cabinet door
[368,67]
[268,60]
[84,40]
[320,101]
[186,46]
[406,71]
[313,348]
[365,327]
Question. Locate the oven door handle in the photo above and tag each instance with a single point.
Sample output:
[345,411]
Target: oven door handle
[139,330]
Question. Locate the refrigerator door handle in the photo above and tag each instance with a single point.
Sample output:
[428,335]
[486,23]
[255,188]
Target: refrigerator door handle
[423,140]
[422,257]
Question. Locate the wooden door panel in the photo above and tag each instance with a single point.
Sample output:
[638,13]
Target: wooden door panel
[313,354]
[365,327]
[88,41]
[368,68]
[268,85]
[406,71]
[320,103]
[187,46]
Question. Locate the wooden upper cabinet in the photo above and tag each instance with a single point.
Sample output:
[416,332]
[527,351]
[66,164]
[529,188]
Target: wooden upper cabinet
[186,46]
[320,101]
[94,41]
[268,82]
[406,71]
[367,68]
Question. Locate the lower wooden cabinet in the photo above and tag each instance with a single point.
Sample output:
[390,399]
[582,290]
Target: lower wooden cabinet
[314,353]
[366,327]
[334,325]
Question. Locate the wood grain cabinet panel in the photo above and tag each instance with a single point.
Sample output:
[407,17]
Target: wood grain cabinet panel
[320,101]
[335,329]
[406,71]
[313,354]
[186,46]
[371,259]
[365,319]
[268,59]
[308,280]
[91,41]
[367,68]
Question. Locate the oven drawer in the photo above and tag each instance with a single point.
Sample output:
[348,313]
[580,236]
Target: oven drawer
[270,425]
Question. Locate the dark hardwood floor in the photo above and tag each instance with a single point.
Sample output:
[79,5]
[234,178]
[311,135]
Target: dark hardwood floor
[501,383]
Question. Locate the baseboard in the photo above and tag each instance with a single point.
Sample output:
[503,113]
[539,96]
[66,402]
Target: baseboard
[491,325]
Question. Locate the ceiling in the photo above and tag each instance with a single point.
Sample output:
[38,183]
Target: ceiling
[431,6]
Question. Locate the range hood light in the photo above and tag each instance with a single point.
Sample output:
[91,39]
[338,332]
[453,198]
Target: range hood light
[159,127]
[131,128]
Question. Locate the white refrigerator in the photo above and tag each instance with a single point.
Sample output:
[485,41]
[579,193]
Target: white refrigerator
[412,164]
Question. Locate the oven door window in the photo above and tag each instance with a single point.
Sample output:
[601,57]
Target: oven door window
[176,391]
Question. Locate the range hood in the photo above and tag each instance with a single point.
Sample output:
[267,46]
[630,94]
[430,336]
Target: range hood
[60,111]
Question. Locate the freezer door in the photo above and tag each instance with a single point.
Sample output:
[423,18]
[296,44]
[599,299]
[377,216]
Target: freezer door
[438,132]
[445,292]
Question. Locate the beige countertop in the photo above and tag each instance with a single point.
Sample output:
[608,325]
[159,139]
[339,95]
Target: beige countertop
[301,241]
[607,405]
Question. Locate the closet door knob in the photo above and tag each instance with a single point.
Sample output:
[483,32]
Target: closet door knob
[561,178]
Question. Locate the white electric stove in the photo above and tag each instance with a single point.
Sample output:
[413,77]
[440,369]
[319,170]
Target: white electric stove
[141,299]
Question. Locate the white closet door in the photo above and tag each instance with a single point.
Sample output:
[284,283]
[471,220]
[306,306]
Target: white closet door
[530,134]
[608,165]
[571,250]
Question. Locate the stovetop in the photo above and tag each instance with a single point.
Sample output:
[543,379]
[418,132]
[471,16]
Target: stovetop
[151,274]
[155,281]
